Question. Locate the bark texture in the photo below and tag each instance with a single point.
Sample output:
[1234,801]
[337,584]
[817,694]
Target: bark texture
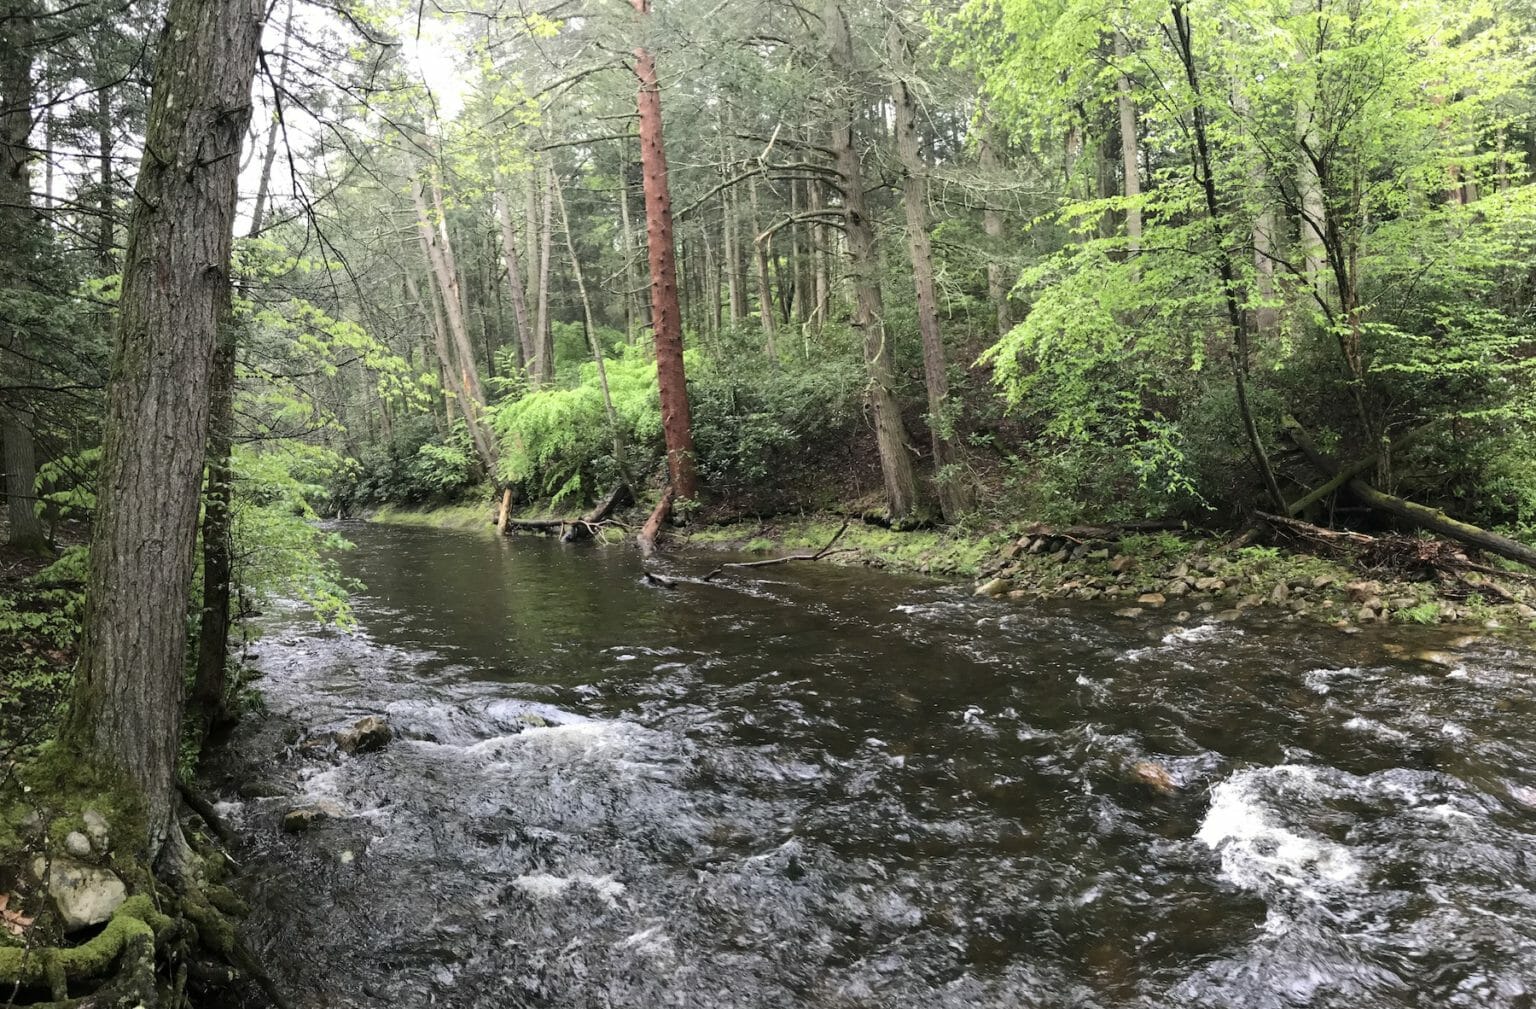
[666,316]
[17,245]
[869,310]
[127,702]
[954,496]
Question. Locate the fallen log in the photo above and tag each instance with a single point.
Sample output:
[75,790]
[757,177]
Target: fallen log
[825,551]
[1426,518]
[1345,473]
[652,528]
[580,528]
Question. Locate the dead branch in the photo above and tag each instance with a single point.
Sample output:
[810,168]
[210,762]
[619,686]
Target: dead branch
[825,551]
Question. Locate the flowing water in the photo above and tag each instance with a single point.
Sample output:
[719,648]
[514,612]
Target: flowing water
[817,786]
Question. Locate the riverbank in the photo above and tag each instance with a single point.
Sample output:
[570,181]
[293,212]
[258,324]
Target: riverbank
[1182,573]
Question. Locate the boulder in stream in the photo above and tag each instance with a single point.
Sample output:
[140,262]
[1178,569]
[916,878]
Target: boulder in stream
[296,821]
[366,735]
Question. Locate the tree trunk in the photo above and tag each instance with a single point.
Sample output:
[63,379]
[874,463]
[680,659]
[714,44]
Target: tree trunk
[954,496]
[816,198]
[666,317]
[209,690]
[1130,158]
[615,430]
[129,683]
[992,225]
[869,315]
[515,279]
[1239,351]
[543,335]
[632,311]
[764,291]
[454,348]
[269,155]
[19,241]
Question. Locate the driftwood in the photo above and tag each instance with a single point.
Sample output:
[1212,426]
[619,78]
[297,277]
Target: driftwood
[652,528]
[581,528]
[1429,519]
[825,551]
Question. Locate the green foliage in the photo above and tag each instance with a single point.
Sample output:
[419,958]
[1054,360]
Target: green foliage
[280,550]
[765,431]
[556,442]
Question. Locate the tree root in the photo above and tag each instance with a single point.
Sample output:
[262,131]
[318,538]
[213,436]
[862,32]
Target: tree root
[128,941]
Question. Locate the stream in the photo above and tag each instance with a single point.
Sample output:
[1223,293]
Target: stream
[817,786]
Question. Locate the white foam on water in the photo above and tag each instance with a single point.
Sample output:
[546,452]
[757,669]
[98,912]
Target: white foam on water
[1196,634]
[1320,681]
[544,886]
[1258,852]
[1369,725]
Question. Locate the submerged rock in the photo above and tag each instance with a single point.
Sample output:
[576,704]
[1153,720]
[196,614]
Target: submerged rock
[993,589]
[366,735]
[296,821]
[1151,599]
[1155,776]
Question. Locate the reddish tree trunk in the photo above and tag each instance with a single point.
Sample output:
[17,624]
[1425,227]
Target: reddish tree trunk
[666,316]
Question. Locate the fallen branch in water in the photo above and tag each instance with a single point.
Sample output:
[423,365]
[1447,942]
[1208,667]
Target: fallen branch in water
[586,526]
[825,551]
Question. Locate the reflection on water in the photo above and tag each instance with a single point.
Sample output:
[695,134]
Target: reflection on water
[825,787]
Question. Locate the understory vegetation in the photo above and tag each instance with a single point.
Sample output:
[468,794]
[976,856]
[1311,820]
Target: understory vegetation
[967,274]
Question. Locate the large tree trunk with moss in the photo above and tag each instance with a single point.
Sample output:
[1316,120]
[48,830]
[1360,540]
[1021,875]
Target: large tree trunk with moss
[18,240]
[954,490]
[666,315]
[127,704]
[869,309]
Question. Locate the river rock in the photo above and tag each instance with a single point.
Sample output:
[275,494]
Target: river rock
[296,821]
[1060,556]
[1367,614]
[261,788]
[96,829]
[1210,585]
[1403,603]
[1176,588]
[1324,582]
[1437,659]
[1178,570]
[1206,607]
[77,844]
[1362,591]
[1280,594]
[1129,612]
[83,895]
[1151,599]
[1155,776]
[1525,612]
[993,589]
[366,735]
[1121,564]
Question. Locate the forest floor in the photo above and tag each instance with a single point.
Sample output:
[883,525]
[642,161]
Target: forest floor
[1183,573]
